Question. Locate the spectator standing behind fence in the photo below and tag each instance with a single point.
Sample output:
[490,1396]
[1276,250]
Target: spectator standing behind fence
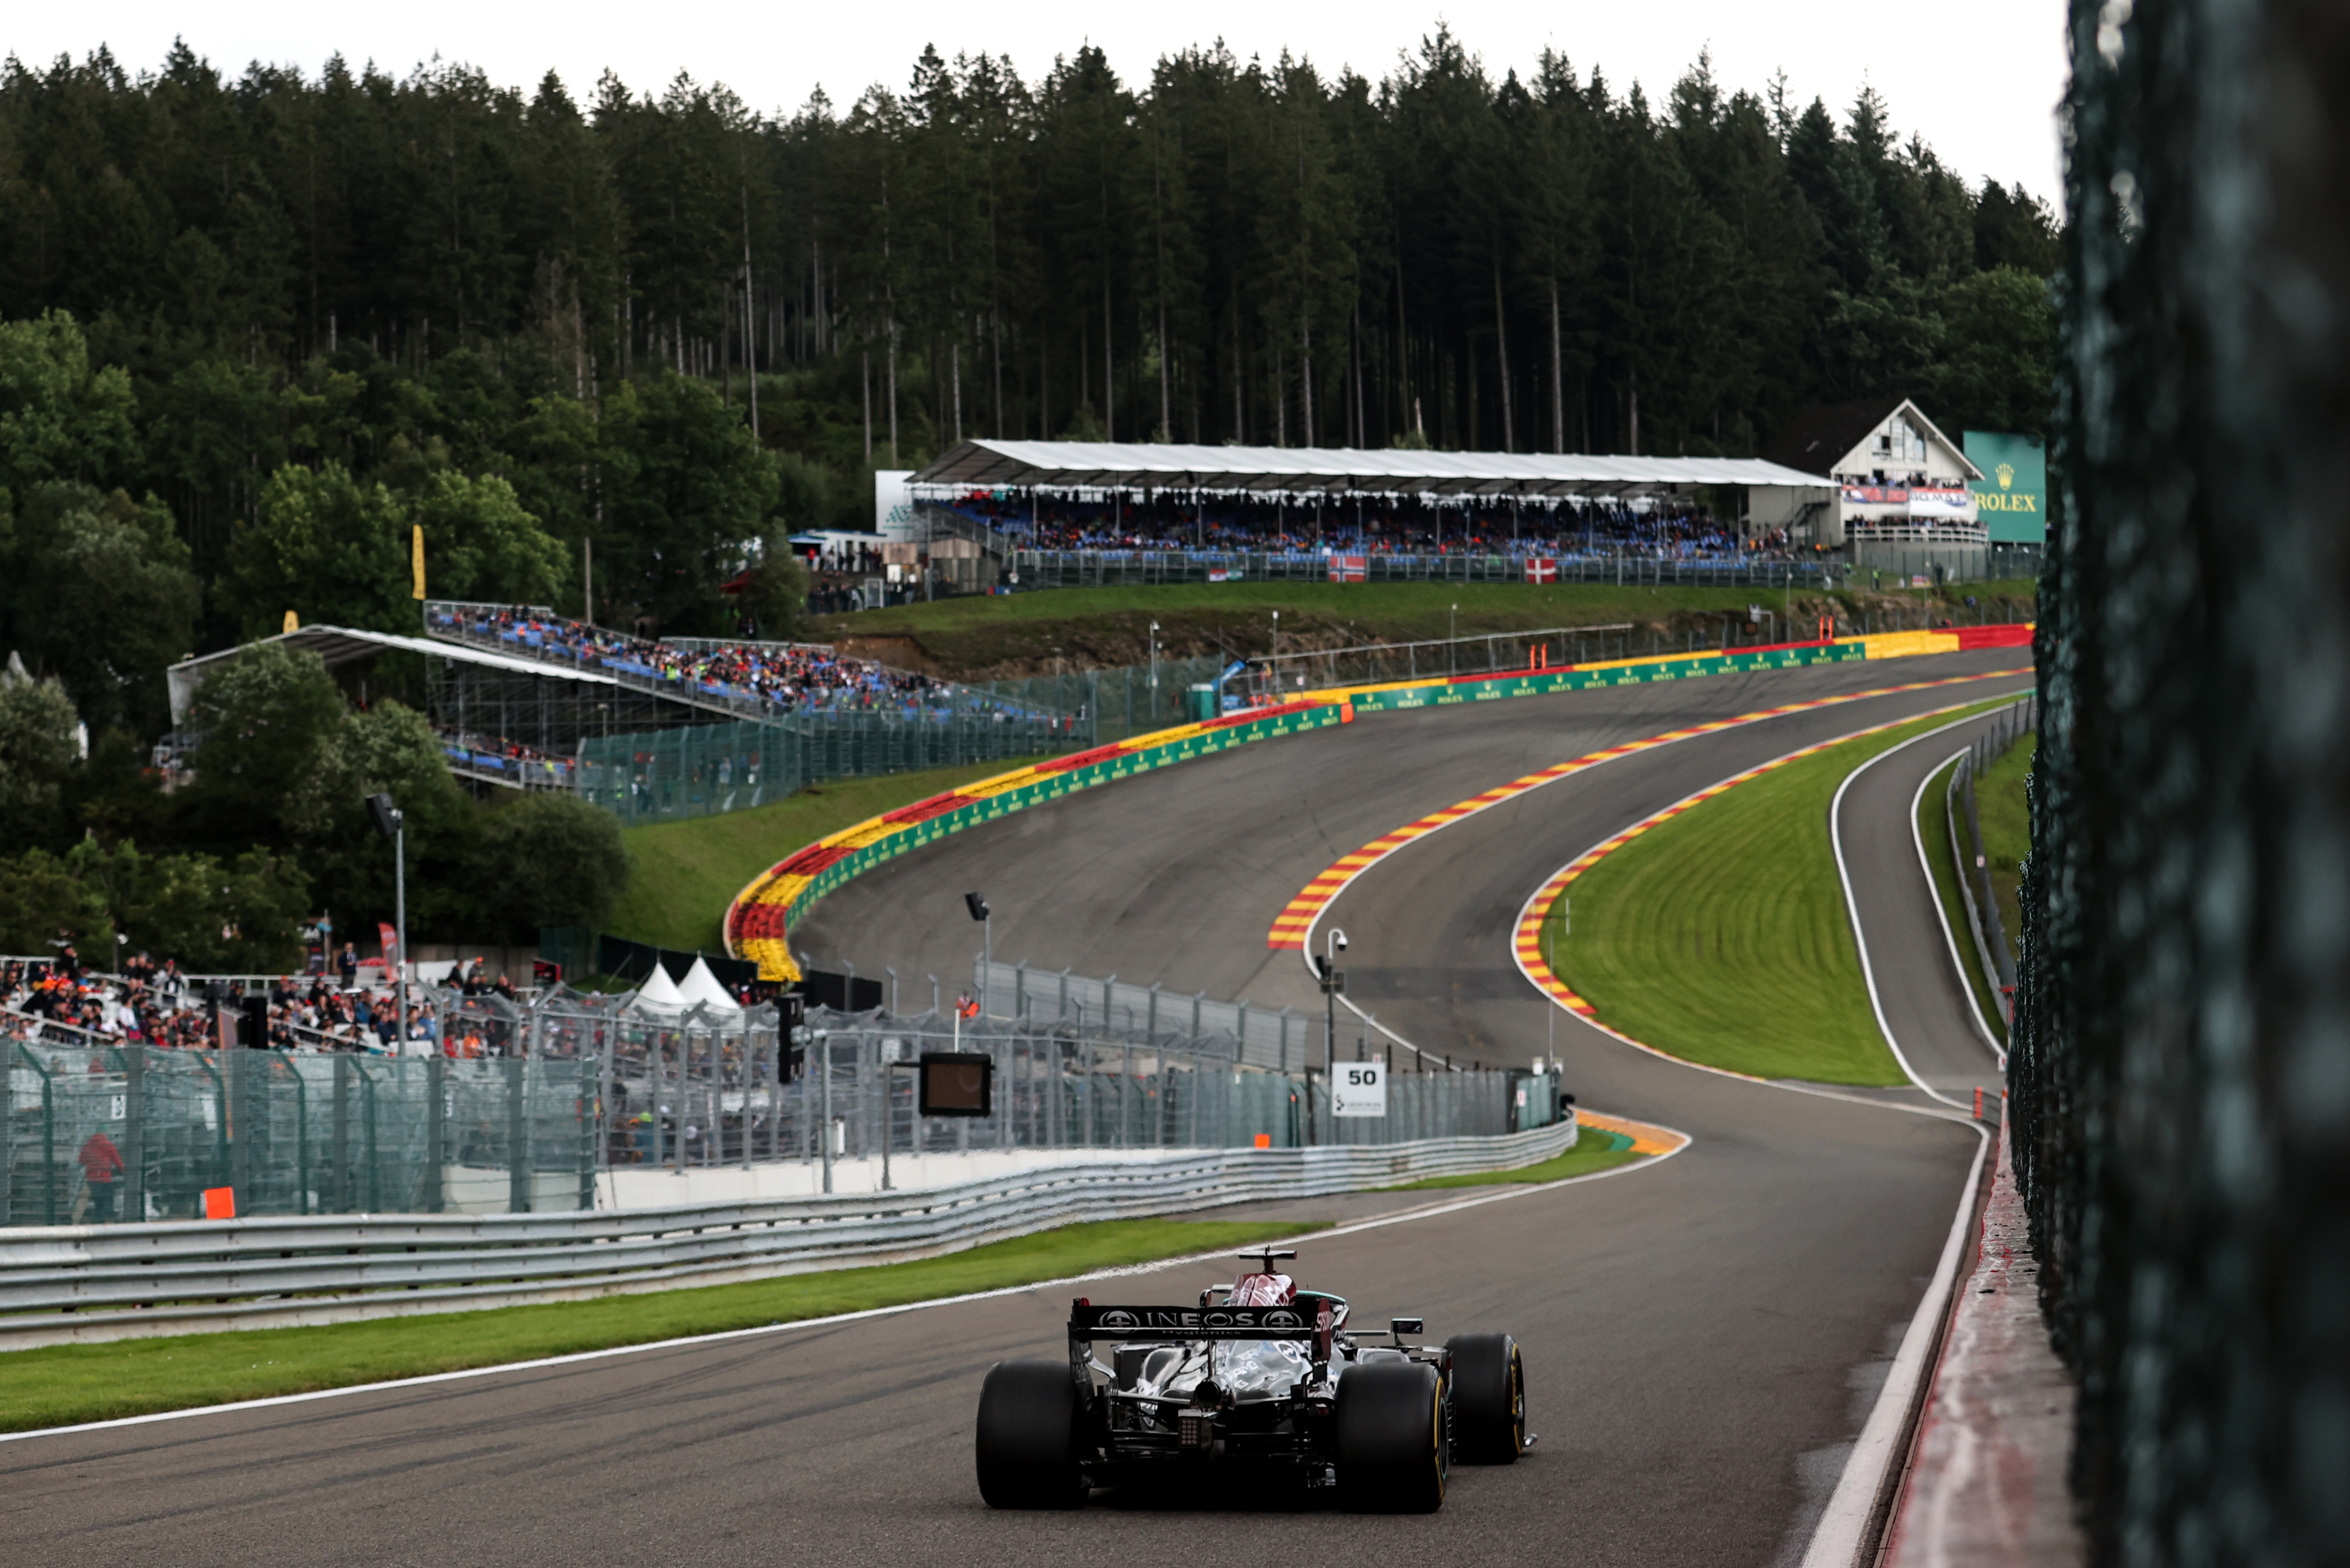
[102,1162]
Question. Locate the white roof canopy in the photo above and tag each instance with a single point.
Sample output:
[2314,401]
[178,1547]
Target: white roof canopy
[1089,466]
[339,645]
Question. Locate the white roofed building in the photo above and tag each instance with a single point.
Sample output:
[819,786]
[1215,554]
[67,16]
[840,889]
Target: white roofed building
[1898,479]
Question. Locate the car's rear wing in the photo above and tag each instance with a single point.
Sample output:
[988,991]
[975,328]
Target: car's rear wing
[1089,1322]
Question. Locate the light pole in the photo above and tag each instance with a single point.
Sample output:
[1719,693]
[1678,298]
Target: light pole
[392,823]
[979,912]
[1154,672]
[1333,942]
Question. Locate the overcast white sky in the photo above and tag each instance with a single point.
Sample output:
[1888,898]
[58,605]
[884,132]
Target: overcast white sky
[1980,83]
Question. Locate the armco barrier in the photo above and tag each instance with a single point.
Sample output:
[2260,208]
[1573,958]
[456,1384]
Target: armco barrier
[64,1284]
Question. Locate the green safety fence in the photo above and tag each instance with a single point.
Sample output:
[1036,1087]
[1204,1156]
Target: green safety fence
[288,1133]
[704,770]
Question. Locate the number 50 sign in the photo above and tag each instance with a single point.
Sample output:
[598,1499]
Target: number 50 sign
[1358,1089]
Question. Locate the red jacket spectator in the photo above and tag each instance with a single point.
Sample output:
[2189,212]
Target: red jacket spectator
[101,1160]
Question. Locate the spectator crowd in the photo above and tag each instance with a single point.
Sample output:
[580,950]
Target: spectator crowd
[343,1007]
[788,677]
[1392,526]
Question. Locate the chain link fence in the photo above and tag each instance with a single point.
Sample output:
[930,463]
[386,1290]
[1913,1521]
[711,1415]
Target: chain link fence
[130,1133]
[537,1099]
[705,770]
[2179,1072]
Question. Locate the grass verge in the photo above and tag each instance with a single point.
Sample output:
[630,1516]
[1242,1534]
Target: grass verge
[685,873]
[2005,812]
[1934,832]
[62,1384]
[1594,1151]
[1720,936]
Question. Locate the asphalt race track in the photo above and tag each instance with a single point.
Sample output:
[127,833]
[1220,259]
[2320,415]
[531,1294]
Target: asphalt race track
[1703,1338]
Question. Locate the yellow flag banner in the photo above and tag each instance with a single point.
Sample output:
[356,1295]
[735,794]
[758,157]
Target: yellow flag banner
[293,621]
[416,559]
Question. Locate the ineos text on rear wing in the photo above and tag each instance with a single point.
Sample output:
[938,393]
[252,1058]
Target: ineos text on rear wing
[1087,1322]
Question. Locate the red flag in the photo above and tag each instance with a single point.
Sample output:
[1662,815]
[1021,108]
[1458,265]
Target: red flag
[1542,569]
[1348,568]
[390,940]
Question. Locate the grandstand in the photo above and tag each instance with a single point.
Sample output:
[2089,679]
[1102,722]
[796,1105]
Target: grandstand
[1098,495]
[655,729]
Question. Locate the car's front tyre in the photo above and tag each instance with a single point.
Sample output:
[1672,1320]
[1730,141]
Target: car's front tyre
[1391,1442]
[1027,1439]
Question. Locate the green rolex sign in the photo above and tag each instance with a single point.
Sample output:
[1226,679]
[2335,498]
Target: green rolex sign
[2011,497]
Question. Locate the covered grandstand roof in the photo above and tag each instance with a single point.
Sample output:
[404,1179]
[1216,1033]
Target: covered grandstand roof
[342,645]
[1086,465]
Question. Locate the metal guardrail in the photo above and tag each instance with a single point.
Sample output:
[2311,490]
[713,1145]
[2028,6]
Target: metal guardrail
[97,1283]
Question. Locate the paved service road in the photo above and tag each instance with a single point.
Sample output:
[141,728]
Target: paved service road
[1925,999]
[1702,1337]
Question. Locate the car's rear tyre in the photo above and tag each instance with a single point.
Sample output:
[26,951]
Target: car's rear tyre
[1027,1443]
[1392,1446]
[1489,1399]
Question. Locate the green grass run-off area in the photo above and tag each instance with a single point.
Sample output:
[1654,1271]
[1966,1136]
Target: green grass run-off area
[1722,935]
[2005,814]
[1594,1152]
[1000,636]
[683,873]
[63,1384]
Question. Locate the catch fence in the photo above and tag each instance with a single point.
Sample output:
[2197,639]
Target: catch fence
[540,1098]
[704,770]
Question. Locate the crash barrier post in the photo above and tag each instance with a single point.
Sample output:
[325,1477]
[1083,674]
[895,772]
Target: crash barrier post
[100,1283]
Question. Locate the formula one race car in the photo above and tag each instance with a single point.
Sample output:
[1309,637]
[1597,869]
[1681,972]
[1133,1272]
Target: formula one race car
[1259,1374]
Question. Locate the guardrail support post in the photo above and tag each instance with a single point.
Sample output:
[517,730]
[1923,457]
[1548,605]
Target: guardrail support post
[517,1138]
[340,1138]
[134,1136]
[436,1133]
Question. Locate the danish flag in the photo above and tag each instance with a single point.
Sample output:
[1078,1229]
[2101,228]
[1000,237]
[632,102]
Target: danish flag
[1542,569]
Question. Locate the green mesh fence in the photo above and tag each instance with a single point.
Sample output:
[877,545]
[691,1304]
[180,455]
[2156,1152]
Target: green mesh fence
[89,1136]
[704,770]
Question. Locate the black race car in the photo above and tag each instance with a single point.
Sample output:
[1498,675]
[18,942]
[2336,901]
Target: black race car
[1259,1374]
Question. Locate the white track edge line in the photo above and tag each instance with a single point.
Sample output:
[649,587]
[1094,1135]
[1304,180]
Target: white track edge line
[1426,1212]
[1837,1540]
[1941,916]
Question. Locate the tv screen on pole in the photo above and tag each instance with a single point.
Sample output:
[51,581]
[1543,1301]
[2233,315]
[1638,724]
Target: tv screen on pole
[957,1084]
[2012,496]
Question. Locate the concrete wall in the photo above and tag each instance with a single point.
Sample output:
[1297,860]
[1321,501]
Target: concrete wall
[1778,505]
